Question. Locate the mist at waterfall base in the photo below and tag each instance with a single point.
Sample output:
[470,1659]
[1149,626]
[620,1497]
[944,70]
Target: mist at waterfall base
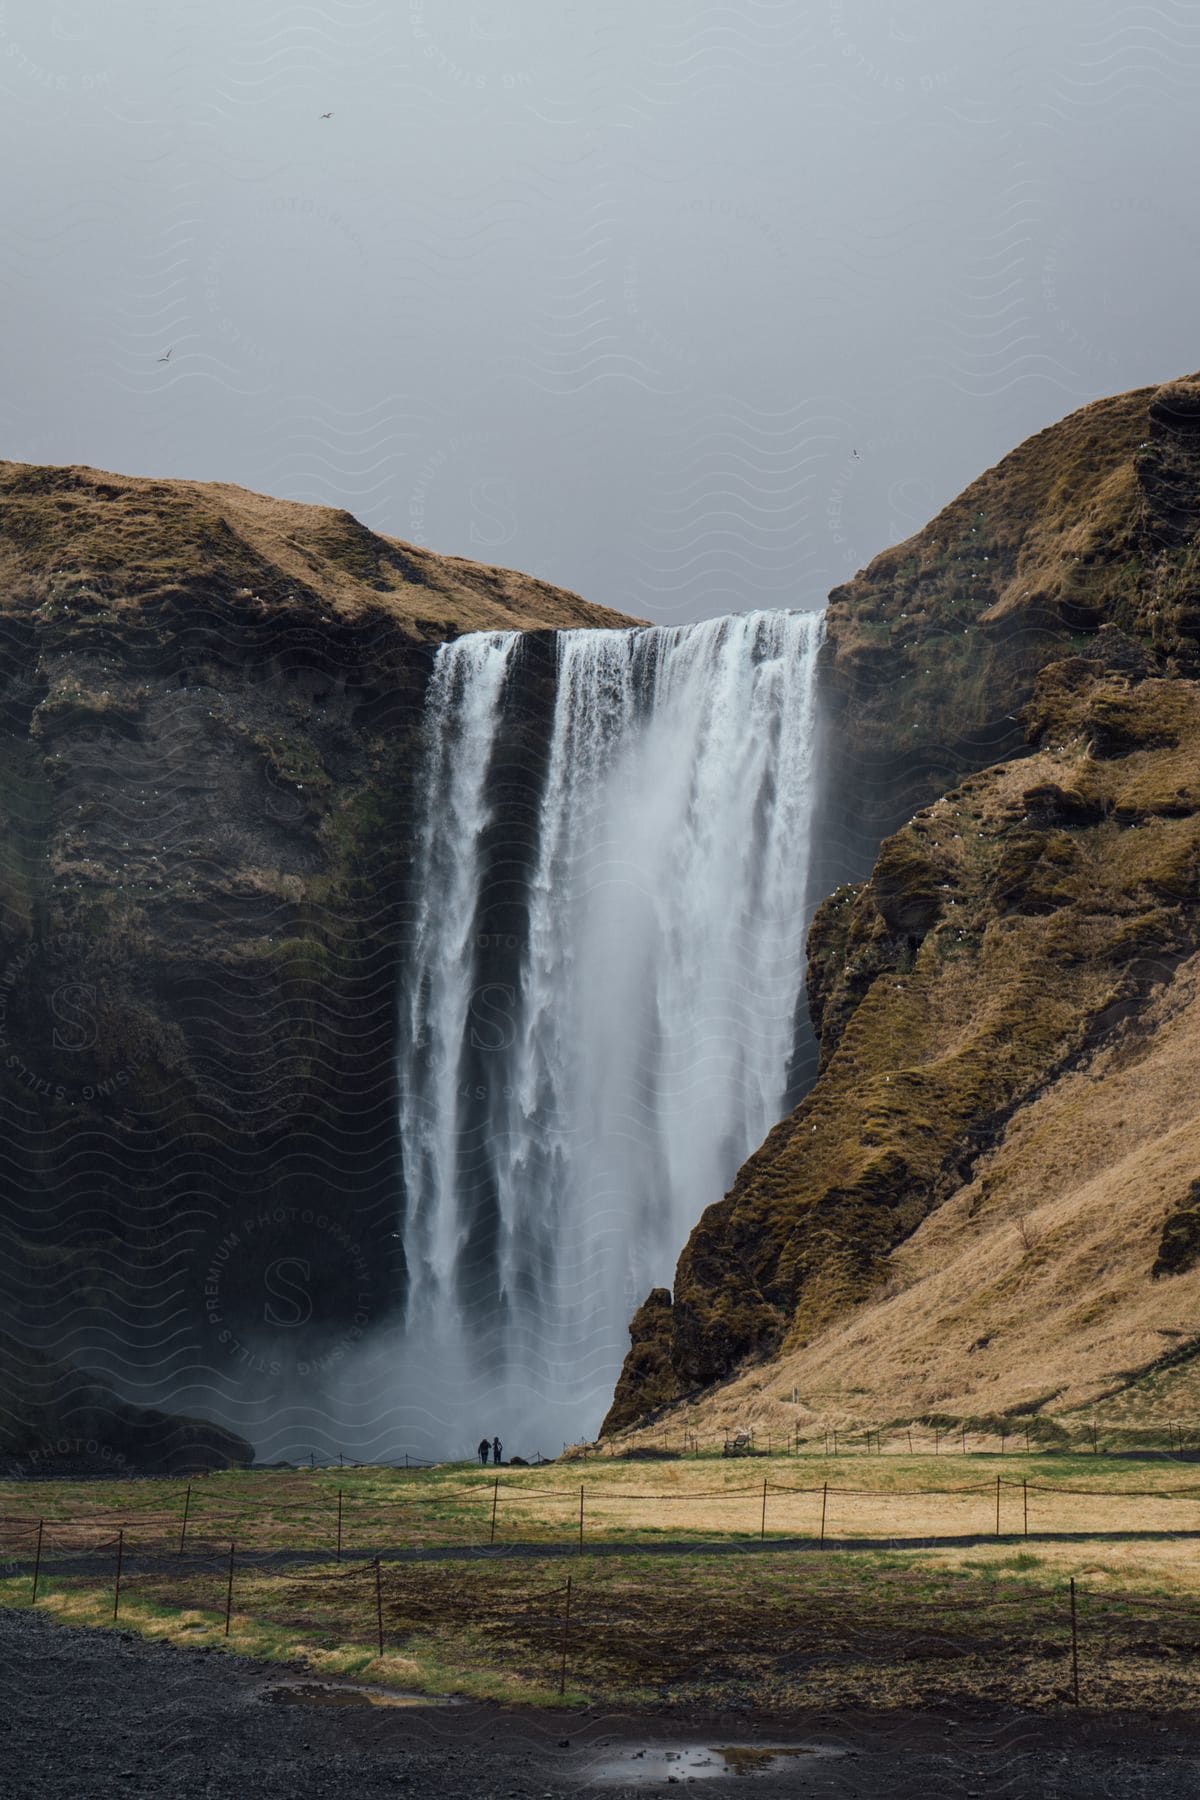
[577,1087]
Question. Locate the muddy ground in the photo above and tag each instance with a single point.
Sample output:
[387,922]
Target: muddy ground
[87,1713]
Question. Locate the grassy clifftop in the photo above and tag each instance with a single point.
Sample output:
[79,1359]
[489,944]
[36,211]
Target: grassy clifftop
[127,541]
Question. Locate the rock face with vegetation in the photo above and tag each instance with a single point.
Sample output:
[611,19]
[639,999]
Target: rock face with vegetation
[209,717]
[1082,540]
[988,1198]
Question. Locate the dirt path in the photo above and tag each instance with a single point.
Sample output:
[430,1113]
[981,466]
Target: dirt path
[89,1714]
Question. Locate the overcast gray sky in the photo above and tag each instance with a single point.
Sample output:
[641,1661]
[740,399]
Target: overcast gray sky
[608,290]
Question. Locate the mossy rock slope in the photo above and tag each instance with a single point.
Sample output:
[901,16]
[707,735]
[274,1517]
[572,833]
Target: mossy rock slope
[1011,932]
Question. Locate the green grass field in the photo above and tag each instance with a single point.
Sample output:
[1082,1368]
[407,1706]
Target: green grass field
[986,1616]
[698,1498]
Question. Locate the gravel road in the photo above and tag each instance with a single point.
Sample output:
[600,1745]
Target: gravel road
[91,1713]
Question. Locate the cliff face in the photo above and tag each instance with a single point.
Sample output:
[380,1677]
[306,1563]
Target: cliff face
[1021,947]
[1085,533]
[209,728]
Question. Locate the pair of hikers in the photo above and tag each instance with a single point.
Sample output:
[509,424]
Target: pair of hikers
[496,1448]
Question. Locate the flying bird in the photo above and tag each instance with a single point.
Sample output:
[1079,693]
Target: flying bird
[167,357]
[327,115]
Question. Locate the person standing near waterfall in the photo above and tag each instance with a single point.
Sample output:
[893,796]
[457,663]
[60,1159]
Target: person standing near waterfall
[483,1450]
[497,1451]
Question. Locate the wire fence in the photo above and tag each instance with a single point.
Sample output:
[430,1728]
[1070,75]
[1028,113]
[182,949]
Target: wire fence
[937,1437]
[196,1516]
[513,1512]
[591,1635]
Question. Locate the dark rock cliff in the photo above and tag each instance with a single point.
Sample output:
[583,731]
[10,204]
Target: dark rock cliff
[210,710]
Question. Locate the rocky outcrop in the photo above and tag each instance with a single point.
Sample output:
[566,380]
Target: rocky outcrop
[648,1378]
[209,730]
[1013,933]
[1082,541]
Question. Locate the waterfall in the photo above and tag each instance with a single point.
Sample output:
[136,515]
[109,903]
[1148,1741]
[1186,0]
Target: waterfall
[573,1093]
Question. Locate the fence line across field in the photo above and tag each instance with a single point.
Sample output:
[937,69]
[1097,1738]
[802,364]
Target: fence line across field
[578,1617]
[870,1439]
[371,1576]
[374,1518]
[516,1487]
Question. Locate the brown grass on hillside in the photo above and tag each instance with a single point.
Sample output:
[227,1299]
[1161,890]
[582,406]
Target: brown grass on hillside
[1032,1283]
[1044,1010]
[133,537]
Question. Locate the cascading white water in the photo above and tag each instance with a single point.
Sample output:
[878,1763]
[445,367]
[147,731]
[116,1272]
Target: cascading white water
[559,1141]
[463,706]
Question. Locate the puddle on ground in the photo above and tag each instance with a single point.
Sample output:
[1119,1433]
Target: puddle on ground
[347,1693]
[700,1762]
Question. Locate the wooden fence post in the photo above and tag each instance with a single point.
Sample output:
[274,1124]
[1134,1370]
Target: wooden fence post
[997,1506]
[495,1504]
[910,1440]
[824,1504]
[1074,1647]
[763,1530]
[187,1502]
[562,1673]
[37,1561]
[229,1592]
[964,1440]
[379,1603]
[1025,1499]
[581,1518]
[339,1526]
[120,1554]
[937,1441]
